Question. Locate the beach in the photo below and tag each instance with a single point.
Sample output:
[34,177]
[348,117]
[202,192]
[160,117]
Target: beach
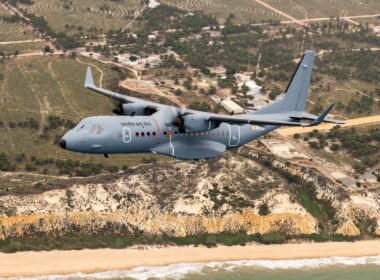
[101,260]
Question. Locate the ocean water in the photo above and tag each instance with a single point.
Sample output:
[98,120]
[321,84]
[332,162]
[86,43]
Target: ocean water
[337,268]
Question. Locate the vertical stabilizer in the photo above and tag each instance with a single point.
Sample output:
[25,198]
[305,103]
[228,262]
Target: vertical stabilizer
[296,92]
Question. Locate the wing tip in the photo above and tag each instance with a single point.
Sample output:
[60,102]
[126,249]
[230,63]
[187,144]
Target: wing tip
[89,81]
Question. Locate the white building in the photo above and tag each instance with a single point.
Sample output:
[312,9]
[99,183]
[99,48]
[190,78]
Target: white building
[254,89]
[231,107]
[215,98]
[153,4]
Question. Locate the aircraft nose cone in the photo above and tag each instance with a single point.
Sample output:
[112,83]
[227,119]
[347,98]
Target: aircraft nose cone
[63,144]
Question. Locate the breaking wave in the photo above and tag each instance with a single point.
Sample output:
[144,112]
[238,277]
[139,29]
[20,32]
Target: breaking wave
[178,271]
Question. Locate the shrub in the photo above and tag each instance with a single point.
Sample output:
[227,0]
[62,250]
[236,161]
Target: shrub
[264,209]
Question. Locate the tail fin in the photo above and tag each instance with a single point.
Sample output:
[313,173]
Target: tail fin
[296,92]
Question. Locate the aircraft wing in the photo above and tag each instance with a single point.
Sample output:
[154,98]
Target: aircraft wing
[89,83]
[265,120]
[305,116]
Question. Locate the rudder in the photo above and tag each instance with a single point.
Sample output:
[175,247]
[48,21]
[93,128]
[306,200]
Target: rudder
[296,92]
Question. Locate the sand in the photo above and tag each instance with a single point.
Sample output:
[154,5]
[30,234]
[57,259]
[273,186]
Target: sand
[327,126]
[91,261]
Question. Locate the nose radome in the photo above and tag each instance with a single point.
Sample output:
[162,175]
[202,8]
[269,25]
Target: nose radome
[63,144]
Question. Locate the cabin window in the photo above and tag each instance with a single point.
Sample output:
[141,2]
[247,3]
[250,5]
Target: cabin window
[165,133]
[154,133]
[175,132]
[137,134]
[142,134]
[148,134]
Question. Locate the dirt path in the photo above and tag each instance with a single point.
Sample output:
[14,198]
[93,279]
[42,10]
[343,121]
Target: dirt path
[23,41]
[327,126]
[69,101]
[43,104]
[293,19]
[138,13]
[329,18]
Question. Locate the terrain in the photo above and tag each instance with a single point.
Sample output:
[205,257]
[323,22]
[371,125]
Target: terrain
[174,53]
[220,200]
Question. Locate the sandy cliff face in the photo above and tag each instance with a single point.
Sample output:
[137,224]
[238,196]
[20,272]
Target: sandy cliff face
[178,199]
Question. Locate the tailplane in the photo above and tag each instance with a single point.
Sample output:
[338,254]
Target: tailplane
[296,93]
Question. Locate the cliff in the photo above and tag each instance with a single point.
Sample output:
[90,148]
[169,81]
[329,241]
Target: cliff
[245,192]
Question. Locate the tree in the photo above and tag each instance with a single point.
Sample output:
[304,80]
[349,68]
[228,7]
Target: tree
[178,92]
[47,49]
[264,209]
[187,84]
[335,147]
[212,90]
[244,89]
[274,93]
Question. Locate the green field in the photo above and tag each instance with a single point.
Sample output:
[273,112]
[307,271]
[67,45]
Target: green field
[13,32]
[100,14]
[302,9]
[42,87]
[16,31]
[244,10]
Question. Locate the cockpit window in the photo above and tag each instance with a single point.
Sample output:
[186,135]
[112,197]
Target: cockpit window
[81,127]
[96,129]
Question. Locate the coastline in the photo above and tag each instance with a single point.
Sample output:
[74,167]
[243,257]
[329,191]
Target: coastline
[87,261]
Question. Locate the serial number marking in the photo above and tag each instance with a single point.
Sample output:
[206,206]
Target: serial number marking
[136,124]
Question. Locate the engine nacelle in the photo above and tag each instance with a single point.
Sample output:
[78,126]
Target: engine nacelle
[197,123]
[133,109]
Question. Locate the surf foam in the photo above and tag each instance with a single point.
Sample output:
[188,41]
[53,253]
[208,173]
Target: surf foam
[178,271]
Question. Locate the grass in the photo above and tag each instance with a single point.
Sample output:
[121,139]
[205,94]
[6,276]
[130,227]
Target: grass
[342,92]
[321,209]
[325,8]
[86,14]
[40,87]
[244,10]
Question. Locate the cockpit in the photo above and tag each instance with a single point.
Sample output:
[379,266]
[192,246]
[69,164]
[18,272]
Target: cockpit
[87,134]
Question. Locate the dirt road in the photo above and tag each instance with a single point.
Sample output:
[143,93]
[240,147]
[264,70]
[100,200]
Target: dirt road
[23,41]
[328,126]
[262,3]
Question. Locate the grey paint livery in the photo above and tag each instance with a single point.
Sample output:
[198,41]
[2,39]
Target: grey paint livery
[148,127]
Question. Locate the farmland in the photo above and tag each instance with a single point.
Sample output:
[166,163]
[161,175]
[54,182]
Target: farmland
[14,31]
[34,92]
[244,10]
[75,16]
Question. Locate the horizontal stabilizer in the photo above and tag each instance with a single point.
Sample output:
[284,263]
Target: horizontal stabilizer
[322,117]
[307,116]
[267,119]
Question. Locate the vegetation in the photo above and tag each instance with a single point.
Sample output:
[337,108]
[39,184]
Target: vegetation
[75,242]
[361,144]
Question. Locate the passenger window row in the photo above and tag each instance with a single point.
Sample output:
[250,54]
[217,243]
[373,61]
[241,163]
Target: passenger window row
[148,134]
[206,133]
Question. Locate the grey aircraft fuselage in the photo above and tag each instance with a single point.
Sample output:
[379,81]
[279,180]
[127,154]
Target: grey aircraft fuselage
[143,134]
[148,127]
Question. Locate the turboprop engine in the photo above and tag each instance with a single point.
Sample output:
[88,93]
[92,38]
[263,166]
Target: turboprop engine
[195,123]
[133,109]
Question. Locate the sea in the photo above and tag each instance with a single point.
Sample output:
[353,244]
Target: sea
[337,268]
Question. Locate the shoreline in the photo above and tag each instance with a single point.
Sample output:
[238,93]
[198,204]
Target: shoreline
[88,261]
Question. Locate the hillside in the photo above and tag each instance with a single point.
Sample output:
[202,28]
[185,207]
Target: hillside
[249,193]
[41,98]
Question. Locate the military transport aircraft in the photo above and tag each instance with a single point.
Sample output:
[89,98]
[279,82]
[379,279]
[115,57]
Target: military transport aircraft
[148,127]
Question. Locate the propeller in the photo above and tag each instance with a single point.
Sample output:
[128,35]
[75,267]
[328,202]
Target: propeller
[180,121]
[118,109]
